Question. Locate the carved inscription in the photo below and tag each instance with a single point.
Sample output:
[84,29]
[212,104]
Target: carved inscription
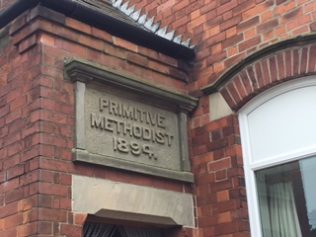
[128,124]
[122,126]
[134,130]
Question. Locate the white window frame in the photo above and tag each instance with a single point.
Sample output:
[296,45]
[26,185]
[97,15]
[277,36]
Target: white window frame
[251,166]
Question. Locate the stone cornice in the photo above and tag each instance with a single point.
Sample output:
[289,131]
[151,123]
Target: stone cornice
[79,70]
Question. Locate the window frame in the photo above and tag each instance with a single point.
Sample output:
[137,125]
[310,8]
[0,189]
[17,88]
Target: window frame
[250,166]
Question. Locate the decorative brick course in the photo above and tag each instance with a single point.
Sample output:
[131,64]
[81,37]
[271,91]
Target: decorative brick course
[263,73]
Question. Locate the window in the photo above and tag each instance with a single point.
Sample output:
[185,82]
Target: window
[92,229]
[286,196]
[278,133]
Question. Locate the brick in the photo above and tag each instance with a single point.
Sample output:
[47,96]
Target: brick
[296,61]
[266,72]
[78,25]
[233,40]
[15,171]
[27,43]
[278,2]
[13,196]
[246,81]
[48,214]
[27,230]
[137,59]
[9,233]
[273,69]
[125,44]
[53,189]
[234,91]
[253,11]
[216,39]
[11,163]
[216,57]
[225,228]
[268,26]
[231,32]
[221,164]
[101,34]
[242,7]
[229,99]
[303,61]
[230,23]
[226,7]
[222,196]
[12,221]
[208,7]
[8,210]
[207,221]
[45,228]
[248,23]
[293,13]
[288,63]
[249,43]
[312,59]
[241,87]
[252,76]
[221,175]
[281,66]
[224,217]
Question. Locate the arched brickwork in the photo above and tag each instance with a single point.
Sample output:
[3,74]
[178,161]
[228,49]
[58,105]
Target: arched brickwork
[266,69]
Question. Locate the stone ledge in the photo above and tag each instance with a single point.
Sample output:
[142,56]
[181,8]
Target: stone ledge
[105,198]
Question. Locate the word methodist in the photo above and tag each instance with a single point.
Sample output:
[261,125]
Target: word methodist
[134,129]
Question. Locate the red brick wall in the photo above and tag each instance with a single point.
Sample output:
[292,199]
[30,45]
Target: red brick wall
[279,66]
[37,120]
[220,186]
[227,31]
[37,107]
[19,137]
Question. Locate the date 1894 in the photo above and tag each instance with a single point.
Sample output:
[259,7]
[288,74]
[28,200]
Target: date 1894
[135,148]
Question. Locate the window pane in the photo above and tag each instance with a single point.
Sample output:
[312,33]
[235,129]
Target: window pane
[271,130]
[287,199]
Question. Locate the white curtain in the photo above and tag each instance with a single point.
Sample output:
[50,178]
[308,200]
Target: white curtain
[284,219]
[277,208]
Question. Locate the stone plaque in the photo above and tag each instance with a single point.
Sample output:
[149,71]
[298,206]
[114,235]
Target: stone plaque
[126,124]
[122,126]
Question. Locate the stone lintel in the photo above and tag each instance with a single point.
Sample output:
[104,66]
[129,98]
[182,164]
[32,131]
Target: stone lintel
[109,199]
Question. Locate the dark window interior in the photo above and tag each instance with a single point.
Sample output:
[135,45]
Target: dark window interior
[92,229]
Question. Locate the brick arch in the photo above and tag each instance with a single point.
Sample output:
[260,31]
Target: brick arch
[274,65]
